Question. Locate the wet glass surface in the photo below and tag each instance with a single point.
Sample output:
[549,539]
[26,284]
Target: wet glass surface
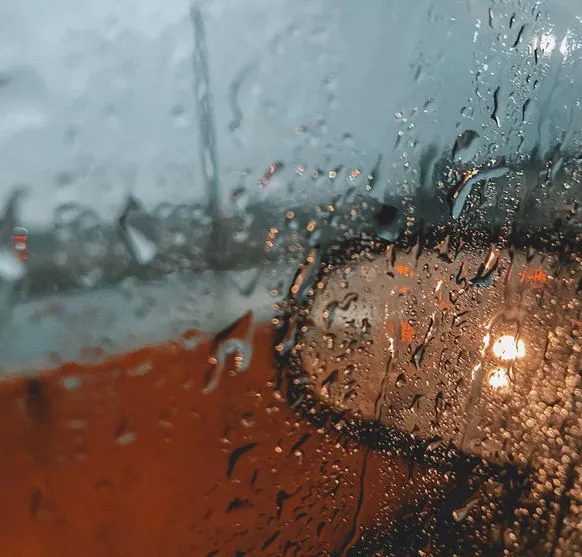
[291,278]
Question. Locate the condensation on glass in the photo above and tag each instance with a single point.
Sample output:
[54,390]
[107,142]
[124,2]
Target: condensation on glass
[297,278]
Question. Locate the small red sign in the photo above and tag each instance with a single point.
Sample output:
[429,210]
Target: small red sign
[20,243]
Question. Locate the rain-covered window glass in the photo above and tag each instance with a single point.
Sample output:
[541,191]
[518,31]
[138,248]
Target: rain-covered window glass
[291,278]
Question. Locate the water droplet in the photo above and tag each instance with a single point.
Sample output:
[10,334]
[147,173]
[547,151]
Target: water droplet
[485,273]
[127,438]
[388,223]
[72,383]
[461,192]
[229,342]
[494,115]
[142,249]
[235,456]
[465,146]
[269,173]
[461,513]
[304,274]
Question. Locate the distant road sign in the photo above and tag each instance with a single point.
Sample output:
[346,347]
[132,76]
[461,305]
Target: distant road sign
[20,242]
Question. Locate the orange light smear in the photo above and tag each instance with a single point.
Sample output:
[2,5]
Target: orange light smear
[406,331]
[405,271]
[536,277]
[390,327]
[403,290]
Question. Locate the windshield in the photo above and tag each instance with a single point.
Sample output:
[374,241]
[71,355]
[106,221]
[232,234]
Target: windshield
[291,278]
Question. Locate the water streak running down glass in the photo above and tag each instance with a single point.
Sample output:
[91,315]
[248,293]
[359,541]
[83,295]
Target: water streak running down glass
[291,278]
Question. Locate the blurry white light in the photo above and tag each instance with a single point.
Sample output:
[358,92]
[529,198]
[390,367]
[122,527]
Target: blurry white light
[499,378]
[507,347]
[547,43]
[564,46]
[570,44]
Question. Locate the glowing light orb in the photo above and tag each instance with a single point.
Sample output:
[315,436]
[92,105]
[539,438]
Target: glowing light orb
[499,378]
[508,348]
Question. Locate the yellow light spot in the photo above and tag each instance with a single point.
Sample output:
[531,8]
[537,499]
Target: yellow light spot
[499,378]
[507,347]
